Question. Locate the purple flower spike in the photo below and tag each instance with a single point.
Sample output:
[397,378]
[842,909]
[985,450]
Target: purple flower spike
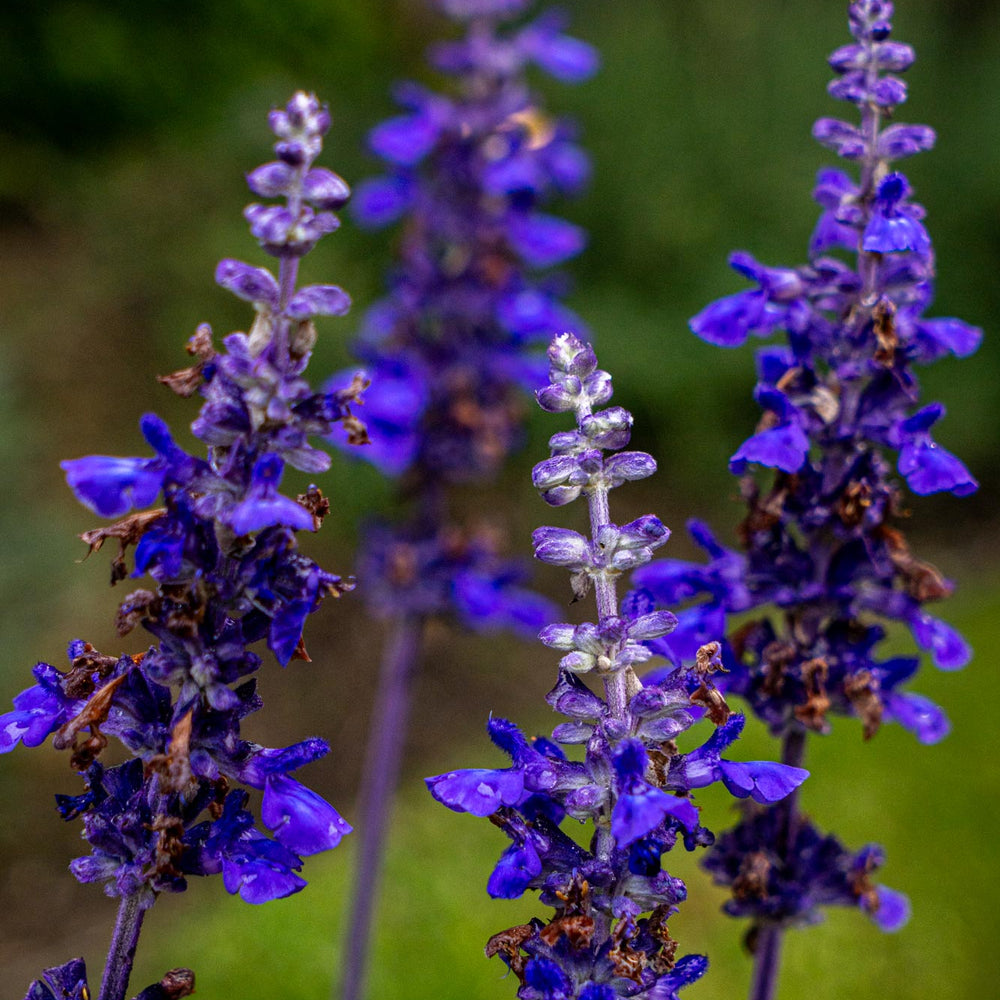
[225,576]
[632,784]
[471,170]
[826,566]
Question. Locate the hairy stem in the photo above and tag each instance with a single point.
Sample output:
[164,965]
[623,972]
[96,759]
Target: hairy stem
[121,954]
[606,593]
[378,781]
[767,954]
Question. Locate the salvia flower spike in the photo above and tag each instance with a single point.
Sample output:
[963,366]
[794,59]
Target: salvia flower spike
[225,574]
[842,426]
[608,936]
[453,349]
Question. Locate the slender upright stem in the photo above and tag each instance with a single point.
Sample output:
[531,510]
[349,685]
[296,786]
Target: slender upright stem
[606,594]
[766,961]
[121,954]
[767,955]
[378,781]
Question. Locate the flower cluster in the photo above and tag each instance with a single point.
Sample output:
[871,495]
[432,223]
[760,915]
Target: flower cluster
[822,541]
[225,574]
[612,899]
[452,348]
[818,871]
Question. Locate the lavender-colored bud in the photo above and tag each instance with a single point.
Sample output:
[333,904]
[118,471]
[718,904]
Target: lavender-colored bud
[271,224]
[898,141]
[888,92]
[557,398]
[559,496]
[597,387]
[325,189]
[559,636]
[851,86]
[567,442]
[554,471]
[645,530]
[894,57]
[567,353]
[652,626]
[609,429]
[844,139]
[561,547]
[628,466]
[572,733]
[592,638]
[572,697]
[318,300]
[578,662]
[271,180]
[847,57]
[252,284]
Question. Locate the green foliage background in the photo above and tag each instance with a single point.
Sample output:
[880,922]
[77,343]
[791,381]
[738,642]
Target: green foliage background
[126,127]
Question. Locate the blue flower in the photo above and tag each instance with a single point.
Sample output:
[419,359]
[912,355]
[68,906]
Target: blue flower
[300,819]
[62,982]
[895,225]
[113,486]
[263,506]
[38,711]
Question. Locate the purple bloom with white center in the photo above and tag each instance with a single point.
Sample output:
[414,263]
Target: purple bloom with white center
[225,574]
[454,347]
[612,898]
[825,565]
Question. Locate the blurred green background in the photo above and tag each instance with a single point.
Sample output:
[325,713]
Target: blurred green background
[126,128]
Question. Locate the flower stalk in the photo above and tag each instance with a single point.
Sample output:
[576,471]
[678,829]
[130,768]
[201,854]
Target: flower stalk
[608,936]
[225,577]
